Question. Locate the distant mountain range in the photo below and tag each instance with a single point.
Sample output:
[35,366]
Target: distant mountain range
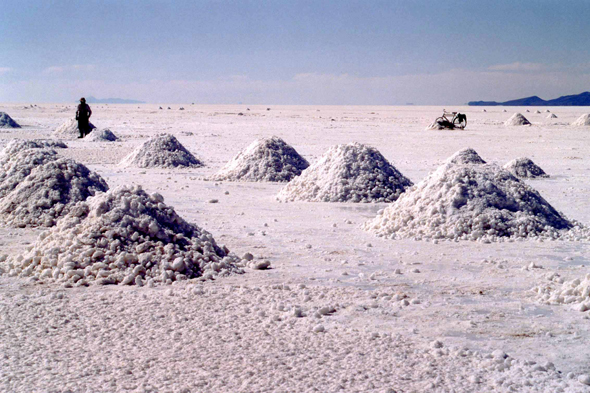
[93,100]
[582,99]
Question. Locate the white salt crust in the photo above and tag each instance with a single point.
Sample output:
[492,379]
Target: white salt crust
[162,151]
[583,120]
[37,186]
[347,173]
[123,236]
[69,129]
[265,159]
[517,119]
[102,135]
[7,122]
[473,202]
[525,168]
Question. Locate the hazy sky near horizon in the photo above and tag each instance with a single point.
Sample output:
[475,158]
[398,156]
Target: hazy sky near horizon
[293,52]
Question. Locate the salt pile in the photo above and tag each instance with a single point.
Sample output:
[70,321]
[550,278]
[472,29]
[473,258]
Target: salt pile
[347,173]
[575,292]
[162,151]
[266,159]
[37,187]
[103,135]
[525,168]
[69,129]
[583,120]
[17,145]
[469,202]
[465,156]
[517,120]
[552,116]
[124,236]
[7,122]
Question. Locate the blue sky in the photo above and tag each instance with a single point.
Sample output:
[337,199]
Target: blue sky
[293,52]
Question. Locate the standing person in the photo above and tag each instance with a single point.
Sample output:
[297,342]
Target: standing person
[83,115]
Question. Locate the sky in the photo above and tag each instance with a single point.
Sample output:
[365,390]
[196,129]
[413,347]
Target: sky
[340,52]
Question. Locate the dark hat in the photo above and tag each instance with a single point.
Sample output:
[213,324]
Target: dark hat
[82,99]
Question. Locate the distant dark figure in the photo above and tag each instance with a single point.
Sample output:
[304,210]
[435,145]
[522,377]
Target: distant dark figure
[83,115]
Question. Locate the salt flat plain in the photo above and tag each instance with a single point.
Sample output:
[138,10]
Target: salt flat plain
[461,316]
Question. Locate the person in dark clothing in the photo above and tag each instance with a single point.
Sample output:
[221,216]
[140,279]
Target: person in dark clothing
[83,115]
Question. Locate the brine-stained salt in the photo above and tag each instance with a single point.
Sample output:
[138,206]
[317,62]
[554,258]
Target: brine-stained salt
[347,173]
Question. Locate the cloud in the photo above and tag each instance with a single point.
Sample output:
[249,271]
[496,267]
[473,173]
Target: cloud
[518,67]
[4,70]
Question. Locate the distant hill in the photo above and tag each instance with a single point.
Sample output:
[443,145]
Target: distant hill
[582,99]
[93,100]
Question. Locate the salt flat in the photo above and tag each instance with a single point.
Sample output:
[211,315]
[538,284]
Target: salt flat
[341,309]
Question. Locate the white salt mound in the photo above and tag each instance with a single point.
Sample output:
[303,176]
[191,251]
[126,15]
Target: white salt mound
[347,173]
[124,236]
[103,135]
[552,116]
[465,156]
[37,187]
[575,292]
[517,120]
[583,120]
[525,168]
[7,122]
[162,151]
[266,159]
[17,145]
[469,202]
[69,129]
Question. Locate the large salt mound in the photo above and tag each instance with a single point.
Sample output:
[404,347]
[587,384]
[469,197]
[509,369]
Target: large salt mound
[469,202]
[266,159]
[124,236]
[575,292]
[525,168]
[465,156]
[69,129]
[517,119]
[17,145]
[7,122]
[103,135]
[162,151]
[583,120]
[37,187]
[347,173]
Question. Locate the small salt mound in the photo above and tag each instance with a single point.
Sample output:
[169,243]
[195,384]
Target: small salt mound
[583,120]
[37,195]
[7,122]
[163,151]
[17,145]
[69,129]
[525,168]
[552,116]
[436,125]
[465,156]
[347,173]
[469,202]
[575,292]
[266,159]
[104,135]
[124,236]
[537,111]
[517,120]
